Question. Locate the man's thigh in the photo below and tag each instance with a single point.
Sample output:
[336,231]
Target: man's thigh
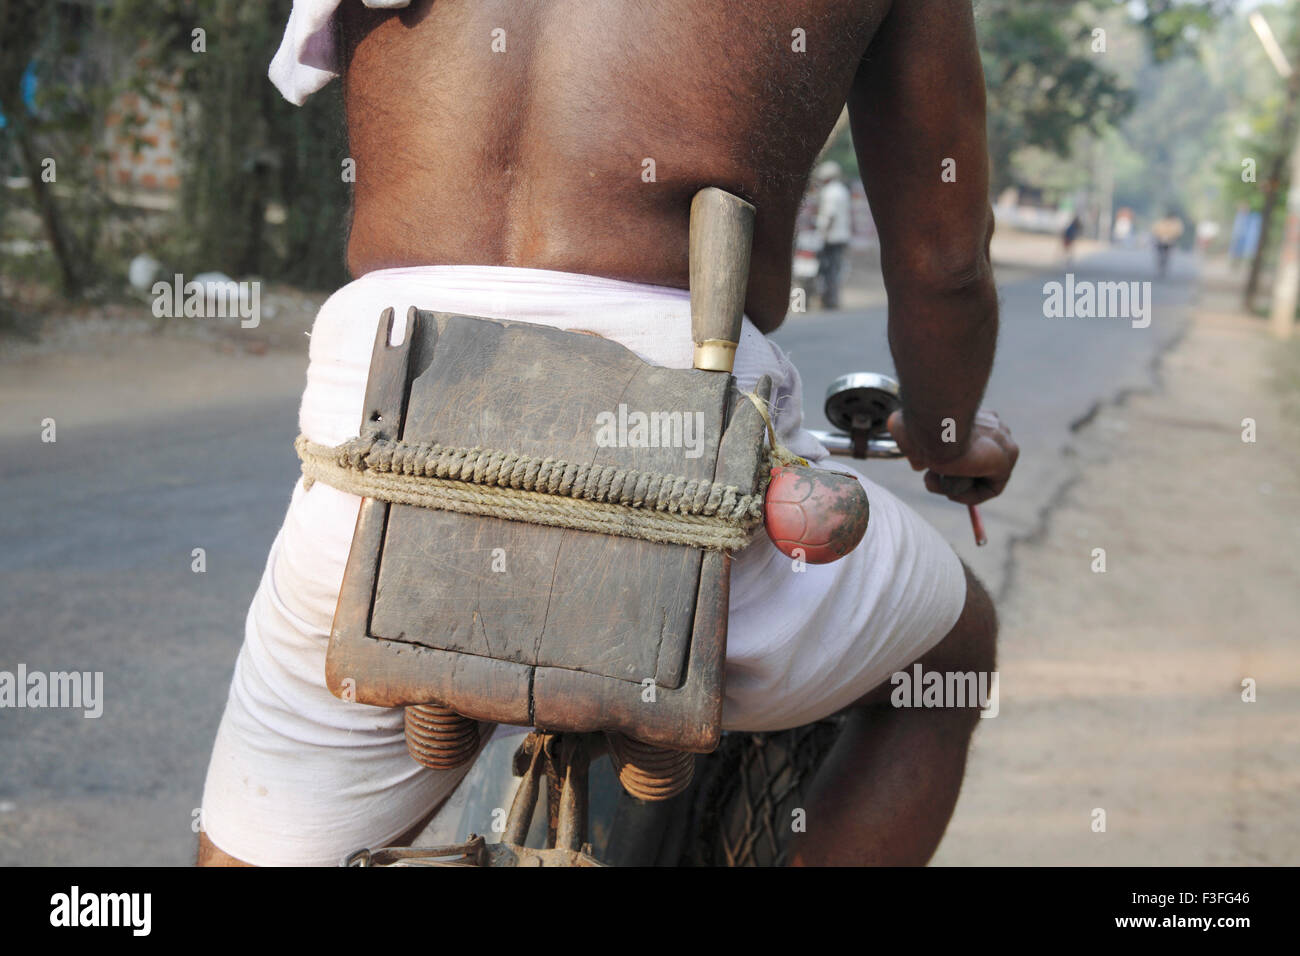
[298,777]
[970,647]
[805,641]
[209,854]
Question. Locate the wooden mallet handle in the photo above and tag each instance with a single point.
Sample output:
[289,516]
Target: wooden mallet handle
[722,231]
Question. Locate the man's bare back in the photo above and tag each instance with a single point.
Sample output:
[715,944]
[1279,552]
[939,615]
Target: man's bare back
[531,147]
[501,133]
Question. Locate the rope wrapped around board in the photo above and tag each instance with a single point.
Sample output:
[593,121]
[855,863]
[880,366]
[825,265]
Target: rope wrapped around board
[605,499]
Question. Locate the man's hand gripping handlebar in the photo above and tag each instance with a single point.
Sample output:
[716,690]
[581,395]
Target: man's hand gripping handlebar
[866,409]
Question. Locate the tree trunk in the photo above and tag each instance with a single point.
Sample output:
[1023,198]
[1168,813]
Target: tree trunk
[18,23]
[1273,187]
[1272,191]
[46,207]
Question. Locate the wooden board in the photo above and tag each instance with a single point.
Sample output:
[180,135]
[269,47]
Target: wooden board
[509,621]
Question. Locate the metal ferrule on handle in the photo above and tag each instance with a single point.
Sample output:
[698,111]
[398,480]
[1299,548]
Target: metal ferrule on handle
[715,355]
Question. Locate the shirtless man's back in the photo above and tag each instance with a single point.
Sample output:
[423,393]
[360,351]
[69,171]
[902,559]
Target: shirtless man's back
[511,133]
[510,137]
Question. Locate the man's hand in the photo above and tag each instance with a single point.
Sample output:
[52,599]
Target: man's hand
[978,473]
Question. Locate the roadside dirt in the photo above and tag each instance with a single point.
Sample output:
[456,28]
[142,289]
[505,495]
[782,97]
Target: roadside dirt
[98,365]
[1123,691]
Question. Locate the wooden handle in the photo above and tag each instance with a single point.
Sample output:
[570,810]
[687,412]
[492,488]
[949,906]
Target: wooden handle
[722,231]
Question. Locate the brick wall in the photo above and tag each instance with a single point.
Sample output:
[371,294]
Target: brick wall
[143,152]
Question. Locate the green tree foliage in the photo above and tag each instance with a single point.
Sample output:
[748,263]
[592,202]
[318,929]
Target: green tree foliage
[1051,88]
[1045,82]
[53,137]
[246,150]
[261,185]
[1176,142]
[1176,27]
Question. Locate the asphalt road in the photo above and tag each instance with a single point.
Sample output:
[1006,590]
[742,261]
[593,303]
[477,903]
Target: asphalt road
[1049,376]
[97,532]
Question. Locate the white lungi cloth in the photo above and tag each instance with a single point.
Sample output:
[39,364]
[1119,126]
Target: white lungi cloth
[300,777]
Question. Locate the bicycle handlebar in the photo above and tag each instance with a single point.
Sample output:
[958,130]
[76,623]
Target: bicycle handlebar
[838,443]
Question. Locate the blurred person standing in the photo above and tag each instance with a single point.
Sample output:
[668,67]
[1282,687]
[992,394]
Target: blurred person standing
[835,227]
[1245,235]
[1207,230]
[1123,231]
[1166,232]
[1071,233]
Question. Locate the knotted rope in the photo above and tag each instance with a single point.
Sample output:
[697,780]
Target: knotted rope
[775,451]
[547,491]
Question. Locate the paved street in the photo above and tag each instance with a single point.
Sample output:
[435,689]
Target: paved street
[98,529]
[1049,376]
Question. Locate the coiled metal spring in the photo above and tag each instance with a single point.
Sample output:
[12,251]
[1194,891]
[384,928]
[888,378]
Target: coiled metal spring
[648,772]
[438,737]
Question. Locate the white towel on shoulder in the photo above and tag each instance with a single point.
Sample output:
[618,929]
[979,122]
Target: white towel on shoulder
[308,55]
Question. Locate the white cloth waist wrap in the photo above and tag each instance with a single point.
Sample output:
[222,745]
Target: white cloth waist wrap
[299,776]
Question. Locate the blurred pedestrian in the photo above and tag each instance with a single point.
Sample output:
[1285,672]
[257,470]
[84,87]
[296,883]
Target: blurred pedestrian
[1166,232]
[834,226]
[1245,235]
[1207,230]
[1123,231]
[1071,233]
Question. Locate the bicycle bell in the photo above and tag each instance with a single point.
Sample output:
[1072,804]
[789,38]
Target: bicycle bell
[859,404]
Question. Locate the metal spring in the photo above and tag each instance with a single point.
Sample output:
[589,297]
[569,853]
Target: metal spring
[439,738]
[648,772]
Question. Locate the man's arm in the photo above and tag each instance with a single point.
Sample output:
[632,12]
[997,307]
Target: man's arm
[917,111]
